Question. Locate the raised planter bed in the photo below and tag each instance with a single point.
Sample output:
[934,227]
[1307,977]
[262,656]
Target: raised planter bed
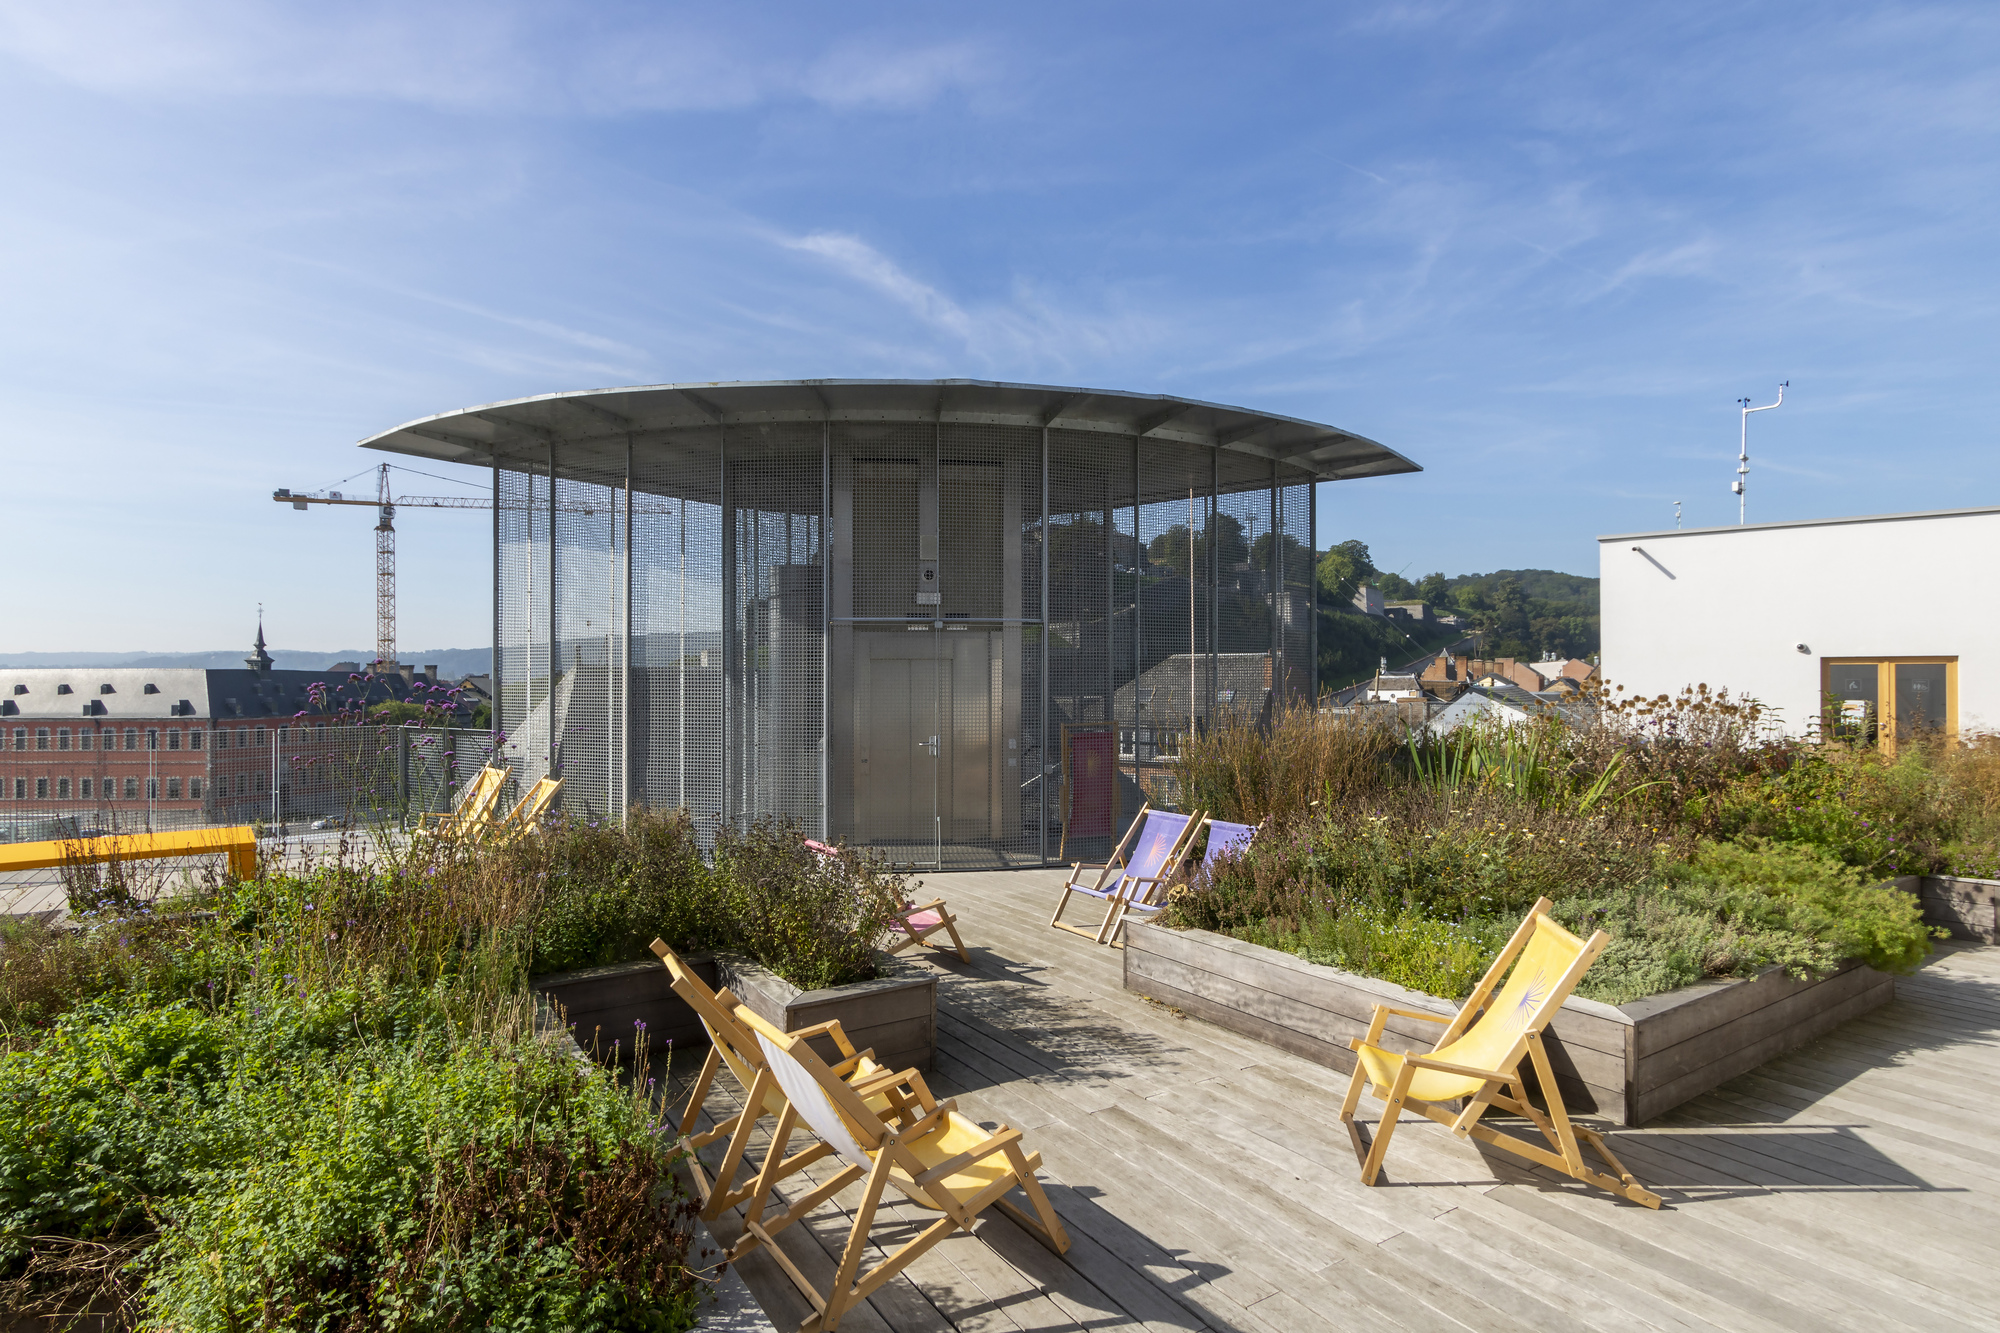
[896,1013]
[602,1005]
[1628,1062]
[1968,908]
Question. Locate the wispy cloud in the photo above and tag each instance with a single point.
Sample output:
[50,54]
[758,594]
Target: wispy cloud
[477,57]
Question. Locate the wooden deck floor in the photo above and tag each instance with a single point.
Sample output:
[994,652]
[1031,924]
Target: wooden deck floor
[1206,1183]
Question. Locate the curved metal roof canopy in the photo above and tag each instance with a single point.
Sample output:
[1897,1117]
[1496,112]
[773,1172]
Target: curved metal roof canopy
[521,429]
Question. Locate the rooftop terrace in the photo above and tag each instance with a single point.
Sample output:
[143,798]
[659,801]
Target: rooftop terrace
[1206,1182]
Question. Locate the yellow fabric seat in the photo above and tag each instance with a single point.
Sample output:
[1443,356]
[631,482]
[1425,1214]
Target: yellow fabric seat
[733,1030]
[1479,1059]
[941,1160]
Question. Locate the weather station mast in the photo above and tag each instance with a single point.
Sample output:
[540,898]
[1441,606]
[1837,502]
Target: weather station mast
[1743,450]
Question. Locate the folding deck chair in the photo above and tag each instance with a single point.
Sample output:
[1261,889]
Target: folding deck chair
[732,1030]
[910,922]
[471,811]
[943,1162]
[526,816]
[1158,840]
[1223,839]
[1479,1058]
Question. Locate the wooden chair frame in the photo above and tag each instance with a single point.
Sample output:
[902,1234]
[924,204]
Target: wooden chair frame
[1154,900]
[1113,885]
[732,1029]
[1500,1086]
[892,1155]
[473,809]
[908,932]
[526,816]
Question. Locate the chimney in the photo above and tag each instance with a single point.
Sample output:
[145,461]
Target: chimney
[409,671]
[431,673]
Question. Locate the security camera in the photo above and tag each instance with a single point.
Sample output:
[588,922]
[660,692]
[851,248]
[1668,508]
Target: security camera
[1802,648]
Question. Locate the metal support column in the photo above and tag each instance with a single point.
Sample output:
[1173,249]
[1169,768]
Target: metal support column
[555,636]
[625,658]
[1214,580]
[1312,590]
[1138,615]
[1273,575]
[1042,746]
[729,609]
[825,624]
[493,722]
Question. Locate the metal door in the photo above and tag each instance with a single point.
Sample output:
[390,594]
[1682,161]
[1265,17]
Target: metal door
[900,742]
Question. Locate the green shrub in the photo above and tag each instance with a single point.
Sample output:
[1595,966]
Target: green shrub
[602,893]
[813,919]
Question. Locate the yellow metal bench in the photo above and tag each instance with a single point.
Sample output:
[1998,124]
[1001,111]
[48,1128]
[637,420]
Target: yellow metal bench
[239,843]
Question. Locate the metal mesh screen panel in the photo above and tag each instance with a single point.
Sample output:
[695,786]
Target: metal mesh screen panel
[1090,613]
[775,624]
[589,592]
[1295,584]
[521,652]
[677,618]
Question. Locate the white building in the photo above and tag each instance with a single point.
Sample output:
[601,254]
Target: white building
[1368,600]
[1877,612]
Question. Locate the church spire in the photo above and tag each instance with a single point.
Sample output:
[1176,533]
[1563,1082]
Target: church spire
[259,660]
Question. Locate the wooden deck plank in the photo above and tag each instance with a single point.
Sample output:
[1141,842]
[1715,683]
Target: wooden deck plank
[1208,1185]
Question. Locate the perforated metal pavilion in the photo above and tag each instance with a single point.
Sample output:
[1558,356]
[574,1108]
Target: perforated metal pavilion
[898,612]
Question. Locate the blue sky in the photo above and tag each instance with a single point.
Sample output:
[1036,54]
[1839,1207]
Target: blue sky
[1539,248]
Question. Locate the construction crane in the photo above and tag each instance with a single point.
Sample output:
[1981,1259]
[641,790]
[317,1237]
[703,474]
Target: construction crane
[386,506]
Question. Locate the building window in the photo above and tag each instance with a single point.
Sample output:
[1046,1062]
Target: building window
[174,738]
[20,738]
[152,789]
[260,784]
[173,789]
[194,739]
[243,738]
[260,738]
[62,789]
[152,738]
[41,738]
[131,789]
[41,789]
[20,789]
[62,738]
[319,731]
[242,783]
[86,789]
[1884,700]
[85,738]
[131,738]
[194,788]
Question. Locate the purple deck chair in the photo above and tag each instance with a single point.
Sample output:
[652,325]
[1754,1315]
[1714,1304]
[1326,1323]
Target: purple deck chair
[1223,839]
[1158,842]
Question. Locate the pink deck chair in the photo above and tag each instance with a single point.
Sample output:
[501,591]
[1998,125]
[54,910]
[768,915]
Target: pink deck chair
[912,922]
[1158,842]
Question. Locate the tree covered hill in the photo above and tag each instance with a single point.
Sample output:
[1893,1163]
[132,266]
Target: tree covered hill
[1525,613]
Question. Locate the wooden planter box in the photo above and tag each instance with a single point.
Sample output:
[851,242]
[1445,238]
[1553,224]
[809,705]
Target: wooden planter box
[602,1005]
[896,1013]
[1627,1063]
[1969,908]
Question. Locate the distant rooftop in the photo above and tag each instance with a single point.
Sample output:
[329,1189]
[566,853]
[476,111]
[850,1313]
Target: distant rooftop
[1800,523]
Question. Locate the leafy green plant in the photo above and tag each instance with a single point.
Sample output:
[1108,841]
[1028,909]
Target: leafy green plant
[811,917]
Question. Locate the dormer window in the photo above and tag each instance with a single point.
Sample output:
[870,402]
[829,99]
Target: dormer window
[20,689]
[107,688]
[64,689]
[151,688]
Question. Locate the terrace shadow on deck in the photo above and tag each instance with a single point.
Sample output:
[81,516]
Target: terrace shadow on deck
[1207,1184]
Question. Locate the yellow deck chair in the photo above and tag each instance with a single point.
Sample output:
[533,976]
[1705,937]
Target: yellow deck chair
[526,816]
[943,1162]
[1479,1058]
[733,1046]
[472,810]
